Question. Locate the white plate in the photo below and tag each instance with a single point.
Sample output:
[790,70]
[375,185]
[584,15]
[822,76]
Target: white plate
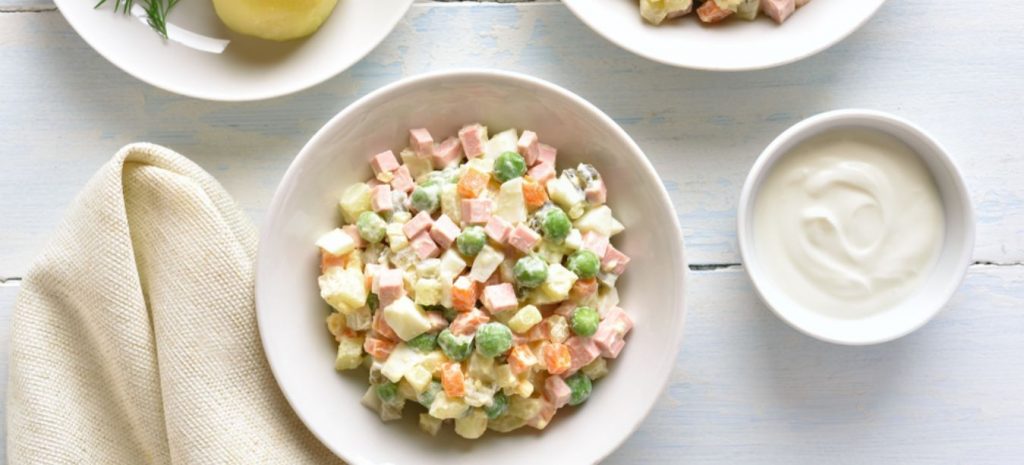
[250,68]
[291,313]
[734,45]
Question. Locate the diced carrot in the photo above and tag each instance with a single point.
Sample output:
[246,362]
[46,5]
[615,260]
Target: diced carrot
[328,260]
[583,288]
[378,348]
[534,194]
[382,328]
[467,323]
[452,380]
[472,183]
[557,358]
[710,12]
[463,294]
[521,358]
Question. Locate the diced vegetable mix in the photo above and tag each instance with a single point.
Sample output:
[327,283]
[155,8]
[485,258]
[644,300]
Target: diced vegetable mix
[714,11]
[473,288]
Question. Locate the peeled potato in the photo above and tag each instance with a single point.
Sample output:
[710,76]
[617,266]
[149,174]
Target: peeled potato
[274,19]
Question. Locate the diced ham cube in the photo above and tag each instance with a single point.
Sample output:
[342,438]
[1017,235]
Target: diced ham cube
[595,242]
[437,321]
[372,275]
[523,238]
[619,320]
[380,198]
[546,154]
[566,309]
[467,322]
[378,348]
[529,147]
[381,327]
[542,172]
[402,181]
[390,286]
[472,138]
[607,340]
[596,192]
[500,297]
[421,142]
[710,12]
[476,211]
[374,182]
[583,350]
[779,10]
[614,261]
[446,153]
[353,232]
[419,223]
[497,229]
[556,391]
[444,231]
[384,162]
[424,246]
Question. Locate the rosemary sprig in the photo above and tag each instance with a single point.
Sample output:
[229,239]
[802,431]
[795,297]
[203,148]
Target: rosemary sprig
[156,11]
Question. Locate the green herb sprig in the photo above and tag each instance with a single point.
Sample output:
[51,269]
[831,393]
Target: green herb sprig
[156,11]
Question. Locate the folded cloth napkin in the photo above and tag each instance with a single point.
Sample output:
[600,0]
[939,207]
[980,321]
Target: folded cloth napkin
[134,338]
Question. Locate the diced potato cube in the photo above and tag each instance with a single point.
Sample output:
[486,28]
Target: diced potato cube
[506,423]
[574,241]
[428,291]
[566,195]
[525,319]
[429,268]
[596,369]
[558,283]
[481,367]
[350,353]
[401,217]
[343,288]
[355,200]
[396,237]
[485,263]
[432,362]
[392,411]
[558,328]
[599,220]
[523,407]
[359,319]
[406,390]
[406,318]
[510,205]
[452,264]
[524,389]
[418,377]
[445,407]
[551,252]
[371,400]
[402,359]
[451,204]
[430,424]
[473,425]
[500,143]
[478,393]
[336,324]
[417,166]
[336,242]
[504,377]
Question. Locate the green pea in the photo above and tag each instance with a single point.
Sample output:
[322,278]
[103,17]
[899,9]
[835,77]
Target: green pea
[580,387]
[425,199]
[471,241]
[509,165]
[585,321]
[388,392]
[584,263]
[455,347]
[556,225]
[493,339]
[530,271]
[498,407]
[373,302]
[428,395]
[425,342]
[371,227]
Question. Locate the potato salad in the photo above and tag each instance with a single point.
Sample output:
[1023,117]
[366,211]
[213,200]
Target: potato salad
[715,11]
[475,281]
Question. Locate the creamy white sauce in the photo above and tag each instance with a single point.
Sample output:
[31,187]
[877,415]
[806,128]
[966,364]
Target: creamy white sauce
[848,223]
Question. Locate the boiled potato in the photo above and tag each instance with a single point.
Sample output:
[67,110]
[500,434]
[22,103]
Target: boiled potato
[274,19]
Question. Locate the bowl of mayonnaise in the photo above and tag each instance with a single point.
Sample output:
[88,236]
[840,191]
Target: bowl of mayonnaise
[855,227]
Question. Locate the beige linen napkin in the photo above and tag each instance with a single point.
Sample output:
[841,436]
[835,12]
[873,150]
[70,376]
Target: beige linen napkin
[134,338]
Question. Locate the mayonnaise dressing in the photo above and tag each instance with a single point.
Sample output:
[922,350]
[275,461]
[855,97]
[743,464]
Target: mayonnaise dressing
[848,223]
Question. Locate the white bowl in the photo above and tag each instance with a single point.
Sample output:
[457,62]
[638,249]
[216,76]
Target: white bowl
[291,313]
[941,282]
[250,68]
[734,45]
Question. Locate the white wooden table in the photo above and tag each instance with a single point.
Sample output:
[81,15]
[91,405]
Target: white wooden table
[747,388]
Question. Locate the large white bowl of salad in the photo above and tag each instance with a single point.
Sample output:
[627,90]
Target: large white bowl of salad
[468,266]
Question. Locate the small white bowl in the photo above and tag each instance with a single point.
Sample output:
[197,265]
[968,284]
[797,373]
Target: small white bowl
[291,313]
[936,289]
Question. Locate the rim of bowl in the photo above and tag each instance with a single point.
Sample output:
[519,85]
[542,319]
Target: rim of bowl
[811,127]
[483,74]
[727,69]
[255,96]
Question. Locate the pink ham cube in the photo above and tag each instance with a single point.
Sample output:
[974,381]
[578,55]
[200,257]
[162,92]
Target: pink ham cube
[542,173]
[444,231]
[424,246]
[467,322]
[418,224]
[476,211]
[529,147]
[619,320]
[402,181]
[556,391]
[546,154]
[497,229]
[473,138]
[390,286]
[437,321]
[565,309]
[583,351]
[372,273]
[498,298]
[614,261]
[779,10]
[596,192]
[384,162]
[609,341]
[595,242]
[523,238]
[446,153]
[380,198]
[421,142]
[353,232]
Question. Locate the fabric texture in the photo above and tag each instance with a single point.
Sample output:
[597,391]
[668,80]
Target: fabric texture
[134,337]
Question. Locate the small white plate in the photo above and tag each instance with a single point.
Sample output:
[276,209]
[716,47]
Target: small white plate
[250,68]
[734,45]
